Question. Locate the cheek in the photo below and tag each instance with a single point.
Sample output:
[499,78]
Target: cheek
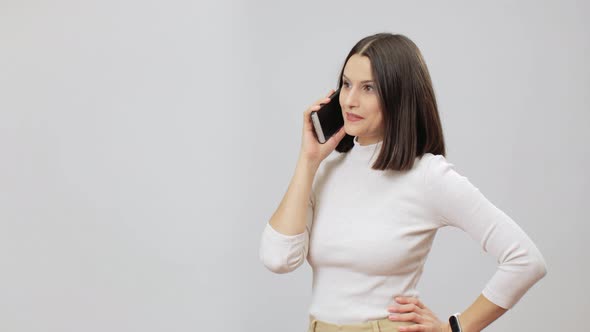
[376,112]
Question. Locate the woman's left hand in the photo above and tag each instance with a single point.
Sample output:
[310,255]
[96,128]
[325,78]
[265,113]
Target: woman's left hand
[411,309]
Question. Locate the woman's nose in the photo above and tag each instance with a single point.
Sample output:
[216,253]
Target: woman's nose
[350,99]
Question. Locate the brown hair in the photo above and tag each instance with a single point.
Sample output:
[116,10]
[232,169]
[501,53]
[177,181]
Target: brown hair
[412,125]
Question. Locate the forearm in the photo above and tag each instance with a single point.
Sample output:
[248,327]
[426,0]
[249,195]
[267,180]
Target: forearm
[290,218]
[481,313]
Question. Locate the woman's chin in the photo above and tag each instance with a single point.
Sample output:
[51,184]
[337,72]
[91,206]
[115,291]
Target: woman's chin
[349,130]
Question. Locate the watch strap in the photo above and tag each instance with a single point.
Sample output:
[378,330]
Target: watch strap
[455,324]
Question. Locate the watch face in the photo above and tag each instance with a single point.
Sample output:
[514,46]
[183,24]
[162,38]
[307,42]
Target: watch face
[454,324]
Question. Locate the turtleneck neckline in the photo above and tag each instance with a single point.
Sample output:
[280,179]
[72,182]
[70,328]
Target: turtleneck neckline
[368,152]
[357,143]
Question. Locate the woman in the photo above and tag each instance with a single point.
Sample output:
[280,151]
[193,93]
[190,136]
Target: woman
[364,207]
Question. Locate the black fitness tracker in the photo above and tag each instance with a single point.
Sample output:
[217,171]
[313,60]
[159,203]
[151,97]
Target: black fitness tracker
[455,325]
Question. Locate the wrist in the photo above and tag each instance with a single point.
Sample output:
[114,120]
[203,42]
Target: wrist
[307,163]
[445,327]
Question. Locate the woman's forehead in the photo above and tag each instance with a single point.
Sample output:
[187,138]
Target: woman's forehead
[358,68]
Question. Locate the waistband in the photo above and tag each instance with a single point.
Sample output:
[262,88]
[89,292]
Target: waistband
[379,325]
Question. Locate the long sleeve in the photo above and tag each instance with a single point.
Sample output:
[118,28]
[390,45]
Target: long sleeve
[283,253]
[457,202]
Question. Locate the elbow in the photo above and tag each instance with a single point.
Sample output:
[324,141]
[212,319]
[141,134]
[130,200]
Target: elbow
[538,268]
[278,264]
[280,260]
[282,253]
[532,264]
[534,267]
[278,268]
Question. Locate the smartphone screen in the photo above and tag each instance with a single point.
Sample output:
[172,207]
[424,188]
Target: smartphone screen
[328,119]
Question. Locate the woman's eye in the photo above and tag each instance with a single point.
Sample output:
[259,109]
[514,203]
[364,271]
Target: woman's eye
[345,84]
[369,88]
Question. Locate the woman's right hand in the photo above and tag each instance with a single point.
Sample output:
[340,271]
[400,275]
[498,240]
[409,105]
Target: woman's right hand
[311,149]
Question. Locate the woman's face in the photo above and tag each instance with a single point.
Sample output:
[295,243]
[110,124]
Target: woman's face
[358,96]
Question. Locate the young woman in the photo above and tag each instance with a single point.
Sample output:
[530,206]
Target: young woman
[364,207]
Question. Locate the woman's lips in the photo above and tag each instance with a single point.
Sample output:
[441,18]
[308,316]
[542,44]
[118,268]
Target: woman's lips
[352,117]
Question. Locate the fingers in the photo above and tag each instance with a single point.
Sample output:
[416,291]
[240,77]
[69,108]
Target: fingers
[338,135]
[407,317]
[315,107]
[410,299]
[326,99]
[411,309]
[312,108]
[318,104]
[405,308]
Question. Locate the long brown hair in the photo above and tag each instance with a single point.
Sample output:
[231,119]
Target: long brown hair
[412,124]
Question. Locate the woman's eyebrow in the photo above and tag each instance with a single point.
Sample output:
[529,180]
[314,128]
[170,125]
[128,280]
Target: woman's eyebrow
[365,81]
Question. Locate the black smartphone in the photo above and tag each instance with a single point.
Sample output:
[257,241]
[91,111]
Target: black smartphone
[328,119]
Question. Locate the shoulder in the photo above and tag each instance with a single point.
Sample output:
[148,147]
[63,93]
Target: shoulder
[428,162]
[435,167]
[429,158]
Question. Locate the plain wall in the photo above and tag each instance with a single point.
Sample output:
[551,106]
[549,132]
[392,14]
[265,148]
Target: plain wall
[146,144]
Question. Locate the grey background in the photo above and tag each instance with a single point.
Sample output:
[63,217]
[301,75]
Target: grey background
[145,144]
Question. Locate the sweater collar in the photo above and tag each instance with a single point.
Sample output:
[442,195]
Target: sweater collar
[367,152]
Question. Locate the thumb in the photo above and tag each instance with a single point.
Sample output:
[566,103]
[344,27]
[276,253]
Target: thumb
[339,134]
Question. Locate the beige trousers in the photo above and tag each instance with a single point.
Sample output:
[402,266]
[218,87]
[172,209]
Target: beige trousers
[380,325]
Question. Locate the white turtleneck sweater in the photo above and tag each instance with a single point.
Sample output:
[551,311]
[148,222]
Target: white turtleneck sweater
[369,232]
